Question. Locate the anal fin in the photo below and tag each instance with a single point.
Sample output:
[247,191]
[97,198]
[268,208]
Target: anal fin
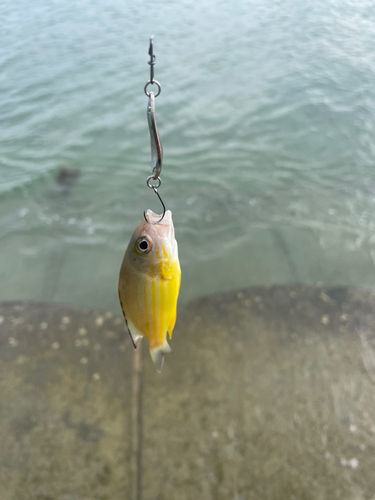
[135,335]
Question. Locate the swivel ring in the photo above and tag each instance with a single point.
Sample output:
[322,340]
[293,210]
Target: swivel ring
[153,186]
[151,83]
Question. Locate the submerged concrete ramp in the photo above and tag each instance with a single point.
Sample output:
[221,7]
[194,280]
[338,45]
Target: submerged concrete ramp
[269,394]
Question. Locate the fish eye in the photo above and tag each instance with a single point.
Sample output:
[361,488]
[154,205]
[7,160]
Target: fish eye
[143,245]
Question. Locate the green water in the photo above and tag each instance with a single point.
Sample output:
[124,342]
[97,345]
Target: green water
[266,116]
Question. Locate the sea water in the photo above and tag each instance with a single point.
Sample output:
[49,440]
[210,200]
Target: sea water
[266,116]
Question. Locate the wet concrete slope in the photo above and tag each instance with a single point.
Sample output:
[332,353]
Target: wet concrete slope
[269,394]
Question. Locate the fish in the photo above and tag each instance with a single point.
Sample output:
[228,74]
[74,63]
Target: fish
[149,284]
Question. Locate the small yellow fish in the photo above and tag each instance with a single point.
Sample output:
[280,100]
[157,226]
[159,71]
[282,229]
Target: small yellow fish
[149,283]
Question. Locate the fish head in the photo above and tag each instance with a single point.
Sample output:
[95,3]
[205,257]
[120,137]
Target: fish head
[153,247]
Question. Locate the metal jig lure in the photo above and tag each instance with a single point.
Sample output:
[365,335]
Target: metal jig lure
[156,146]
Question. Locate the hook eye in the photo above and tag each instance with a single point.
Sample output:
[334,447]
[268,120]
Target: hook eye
[143,245]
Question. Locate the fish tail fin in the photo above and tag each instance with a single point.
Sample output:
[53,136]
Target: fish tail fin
[158,353]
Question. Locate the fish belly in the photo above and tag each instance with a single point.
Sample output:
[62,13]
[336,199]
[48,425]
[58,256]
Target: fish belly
[149,304]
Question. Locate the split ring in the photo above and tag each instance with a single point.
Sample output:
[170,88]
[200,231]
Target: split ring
[153,186]
[151,83]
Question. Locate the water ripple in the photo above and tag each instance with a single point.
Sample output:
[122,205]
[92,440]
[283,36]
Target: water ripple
[266,116]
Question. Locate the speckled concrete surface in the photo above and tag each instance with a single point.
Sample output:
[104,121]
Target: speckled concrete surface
[64,403]
[269,394]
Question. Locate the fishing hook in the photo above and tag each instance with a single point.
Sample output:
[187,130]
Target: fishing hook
[156,146]
[155,189]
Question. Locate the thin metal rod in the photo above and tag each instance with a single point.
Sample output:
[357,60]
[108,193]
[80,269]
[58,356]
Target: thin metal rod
[137,417]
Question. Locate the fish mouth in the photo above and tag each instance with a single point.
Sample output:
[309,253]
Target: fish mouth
[153,218]
[164,228]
